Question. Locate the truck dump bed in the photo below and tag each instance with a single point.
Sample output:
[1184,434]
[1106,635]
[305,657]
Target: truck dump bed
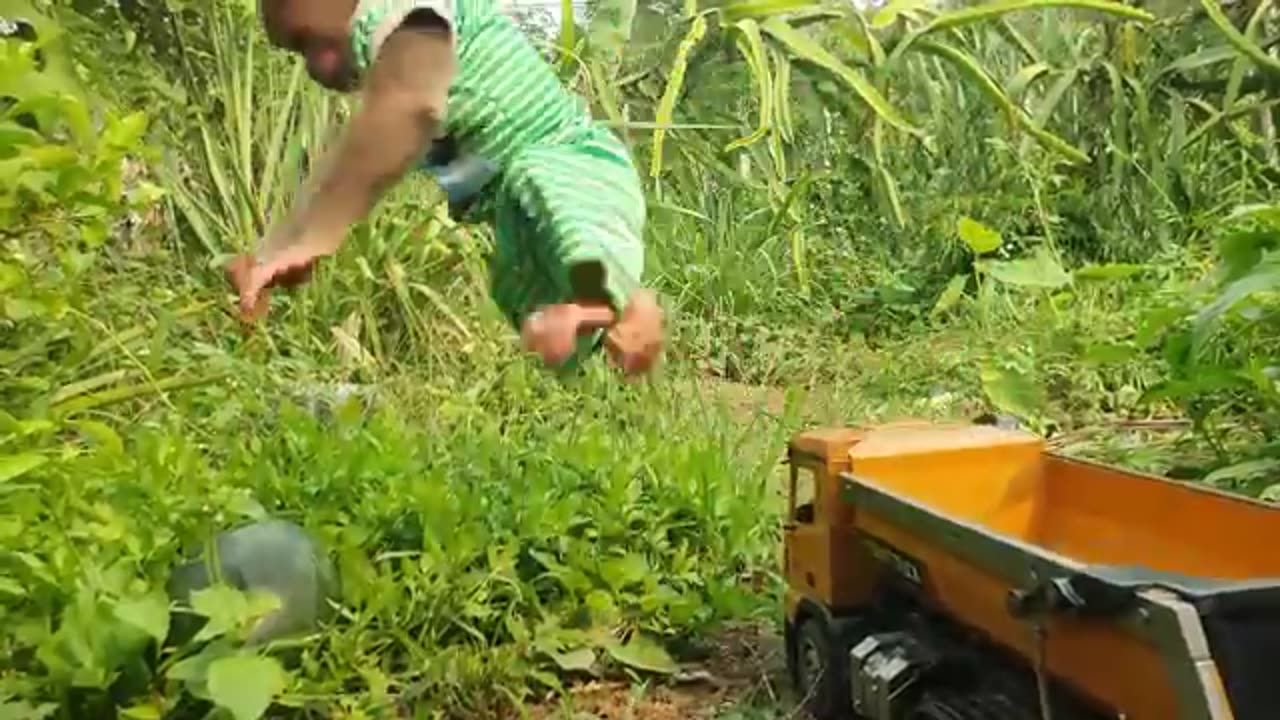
[1003,481]
[1156,593]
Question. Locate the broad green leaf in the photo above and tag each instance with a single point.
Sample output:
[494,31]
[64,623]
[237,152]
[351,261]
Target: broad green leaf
[246,685]
[625,570]
[15,466]
[642,653]
[951,294]
[1041,269]
[125,133]
[1110,271]
[149,613]
[1265,277]
[11,587]
[666,106]
[23,710]
[1109,353]
[150,710]
[758,9]
[1011,391]
[806,49]
[100,433]
[229,609]
[980,238]
[604,611]
[580,660]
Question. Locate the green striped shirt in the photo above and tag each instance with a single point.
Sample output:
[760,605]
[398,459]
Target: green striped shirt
[567,191]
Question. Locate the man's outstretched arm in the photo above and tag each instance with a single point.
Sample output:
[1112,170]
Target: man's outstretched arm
[402,111]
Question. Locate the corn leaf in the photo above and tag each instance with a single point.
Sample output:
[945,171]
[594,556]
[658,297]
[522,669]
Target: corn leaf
[666,106]
[804,48]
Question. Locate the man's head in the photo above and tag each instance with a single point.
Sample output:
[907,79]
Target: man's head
[318,30]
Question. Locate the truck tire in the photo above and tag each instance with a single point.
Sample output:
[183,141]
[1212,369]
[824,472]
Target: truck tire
[968,706]
[822,671]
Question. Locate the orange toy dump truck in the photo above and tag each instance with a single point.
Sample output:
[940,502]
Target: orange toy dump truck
[966,573]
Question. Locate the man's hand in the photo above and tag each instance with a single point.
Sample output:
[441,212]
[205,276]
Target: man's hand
[253,280]
[634,342]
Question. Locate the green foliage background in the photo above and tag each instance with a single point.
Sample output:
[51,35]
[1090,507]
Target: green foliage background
[1062,210]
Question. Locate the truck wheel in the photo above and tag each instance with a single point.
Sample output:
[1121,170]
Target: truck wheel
[821,672]
[968,706]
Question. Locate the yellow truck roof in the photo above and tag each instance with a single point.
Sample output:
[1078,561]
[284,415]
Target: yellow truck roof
[917,439]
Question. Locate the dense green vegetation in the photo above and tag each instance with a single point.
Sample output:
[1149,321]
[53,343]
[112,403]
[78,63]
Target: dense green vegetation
[1057,210]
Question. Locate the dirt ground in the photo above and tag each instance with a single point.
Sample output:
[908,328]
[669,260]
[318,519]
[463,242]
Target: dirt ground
[743,679]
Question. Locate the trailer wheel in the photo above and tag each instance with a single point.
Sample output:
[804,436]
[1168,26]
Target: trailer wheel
[821,671]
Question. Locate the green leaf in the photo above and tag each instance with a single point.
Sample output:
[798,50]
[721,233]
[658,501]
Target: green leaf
[806,49]
[580,660]
[665,113]
[751,46]
[951,294]
[1271,494]
[892,10]
[980,238]
[989,10]
[1264,277]
[609,29]
[22,710]
[1243,471]
[1039,270]
[100,433]
[149,613]
[625,570]
[1110,271]
[1011,391]
[965,63]
[642,653]
[1109,353]
[1237,39]
[11,587]
[246,685]
[151,710]
[228,609]
[15,466]
[1200,59]
[757,9]
[1027,75]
